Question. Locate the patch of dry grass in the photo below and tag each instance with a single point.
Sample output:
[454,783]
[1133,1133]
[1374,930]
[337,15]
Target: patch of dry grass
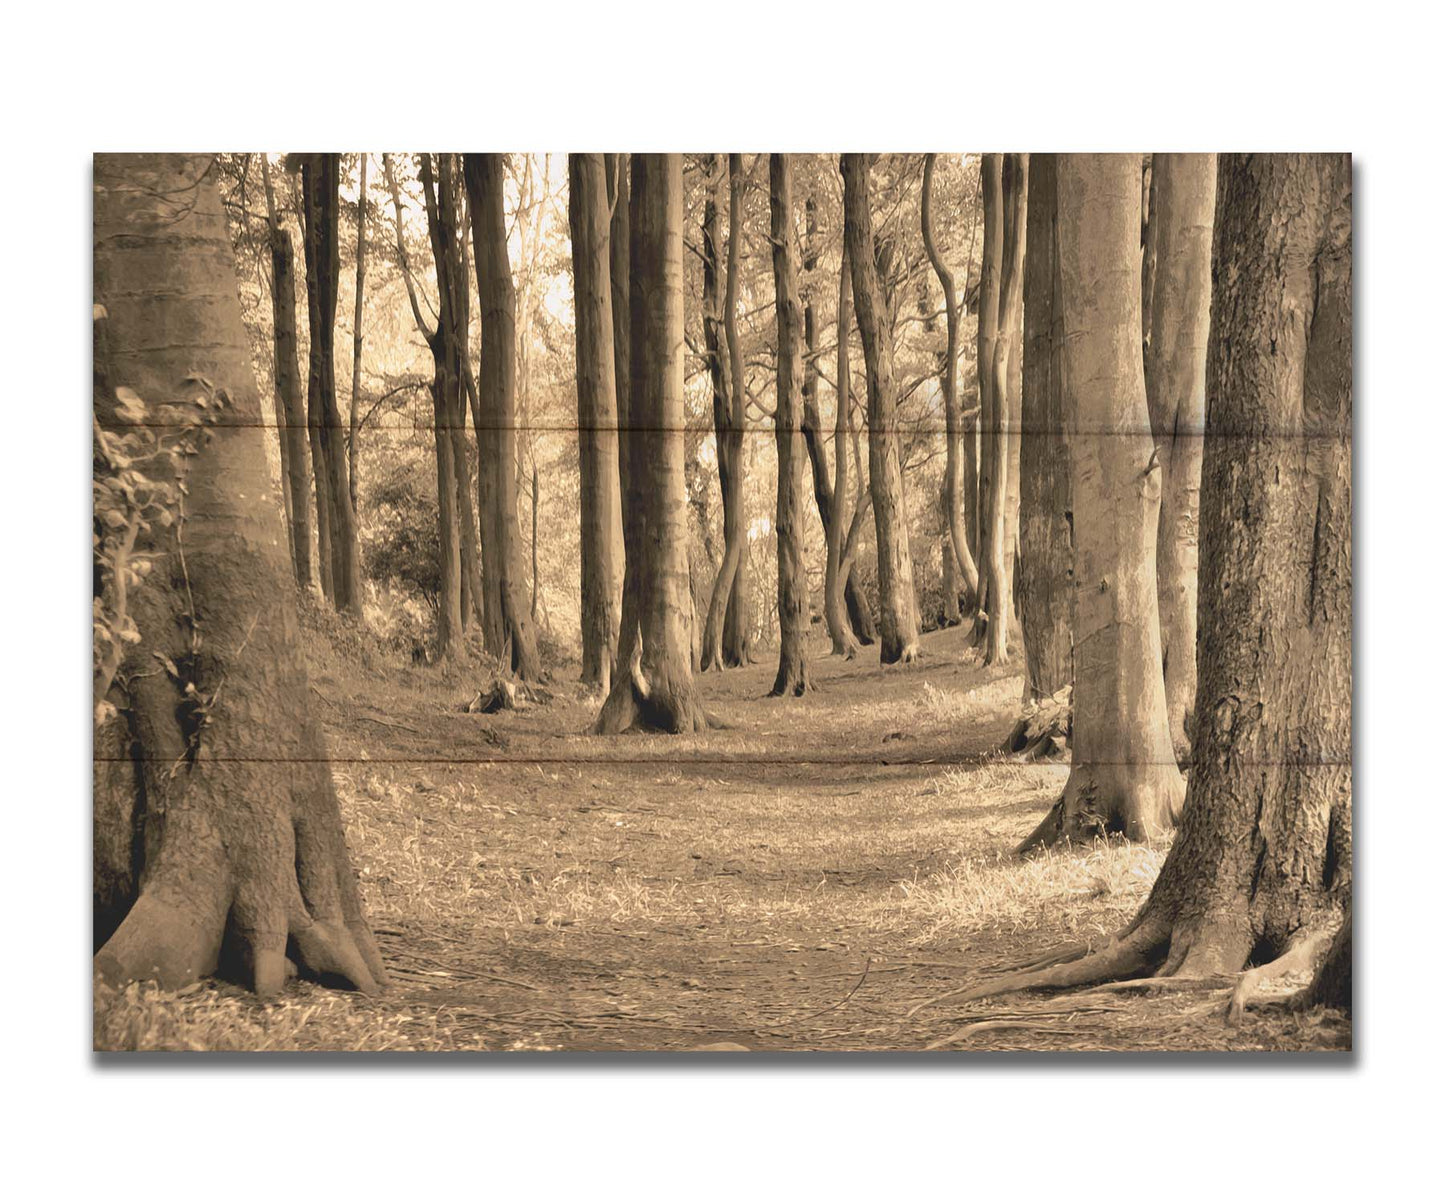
[215,1017]
[1088,890]
[966,706]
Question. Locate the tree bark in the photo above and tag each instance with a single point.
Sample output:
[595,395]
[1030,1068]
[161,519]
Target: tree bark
[1006,382]
[657,693]
[1124,776]
[497,443]
[447,408]
[219,841]
[290,412]
[1148,248]
[958,546]
[845,644]
[990,422]
[1180,231]
[602,551]
[793,609]
[319,181]
[897,602]
[631,482]
[444,218]
[727,631]
[353,445]
[1261,871]
[1046,508]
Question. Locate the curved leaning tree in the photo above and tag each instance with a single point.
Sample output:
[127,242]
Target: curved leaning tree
[1261,871]
[218,839]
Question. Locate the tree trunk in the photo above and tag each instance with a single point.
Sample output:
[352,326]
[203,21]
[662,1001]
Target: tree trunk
[897,601]
[453,325]
[290,411]
[793,608]
[219,840]
[958,547]
[1261,871]
[319,180]
[602,554]
[834,612]
[1148,247]
[657,691]
[989,420]
[1046,508]
[1124,777]
[353,445]
[1180,230]
[458,569]
[497,443]
[858,622]
[727,633]
[631,483]
[1006,382]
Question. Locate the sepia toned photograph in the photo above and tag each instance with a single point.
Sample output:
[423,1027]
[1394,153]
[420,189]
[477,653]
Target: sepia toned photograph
[744,603]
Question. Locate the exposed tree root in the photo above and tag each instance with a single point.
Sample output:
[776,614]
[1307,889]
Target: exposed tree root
[1141,802]
[1137,947]
[793,680]
[244,906]
[909,654]
[1157,953]
[992,1026]
[1295,968]
[635,705]
[1333,985]
[1214,982]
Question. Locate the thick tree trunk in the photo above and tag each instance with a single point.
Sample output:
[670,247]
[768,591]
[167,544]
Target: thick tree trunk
[497,443]
[453,325]
[793,607]
[458,569]
[897,601]
[1124,776]
[353,443]
[319,180]
[218,837]
[1180,231]
[990,422]
[602,552]
[1046,508]
[657,691]
[1261,871]
[727,633]
[958,547]
[1006,381]
[632,483]
[290,410]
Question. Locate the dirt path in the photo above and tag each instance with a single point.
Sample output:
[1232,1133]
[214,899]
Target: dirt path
[798,881]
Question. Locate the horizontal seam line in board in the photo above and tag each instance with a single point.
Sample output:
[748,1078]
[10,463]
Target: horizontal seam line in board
[761,429]
[976,759]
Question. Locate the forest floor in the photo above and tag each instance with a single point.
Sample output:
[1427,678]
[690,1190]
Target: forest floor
[798,881]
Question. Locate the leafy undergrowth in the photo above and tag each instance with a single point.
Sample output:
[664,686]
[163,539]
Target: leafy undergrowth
[799,880]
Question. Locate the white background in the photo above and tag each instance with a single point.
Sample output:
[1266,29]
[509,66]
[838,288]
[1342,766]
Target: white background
[749,76]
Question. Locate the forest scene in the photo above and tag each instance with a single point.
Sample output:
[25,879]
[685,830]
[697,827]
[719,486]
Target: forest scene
[722,602]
